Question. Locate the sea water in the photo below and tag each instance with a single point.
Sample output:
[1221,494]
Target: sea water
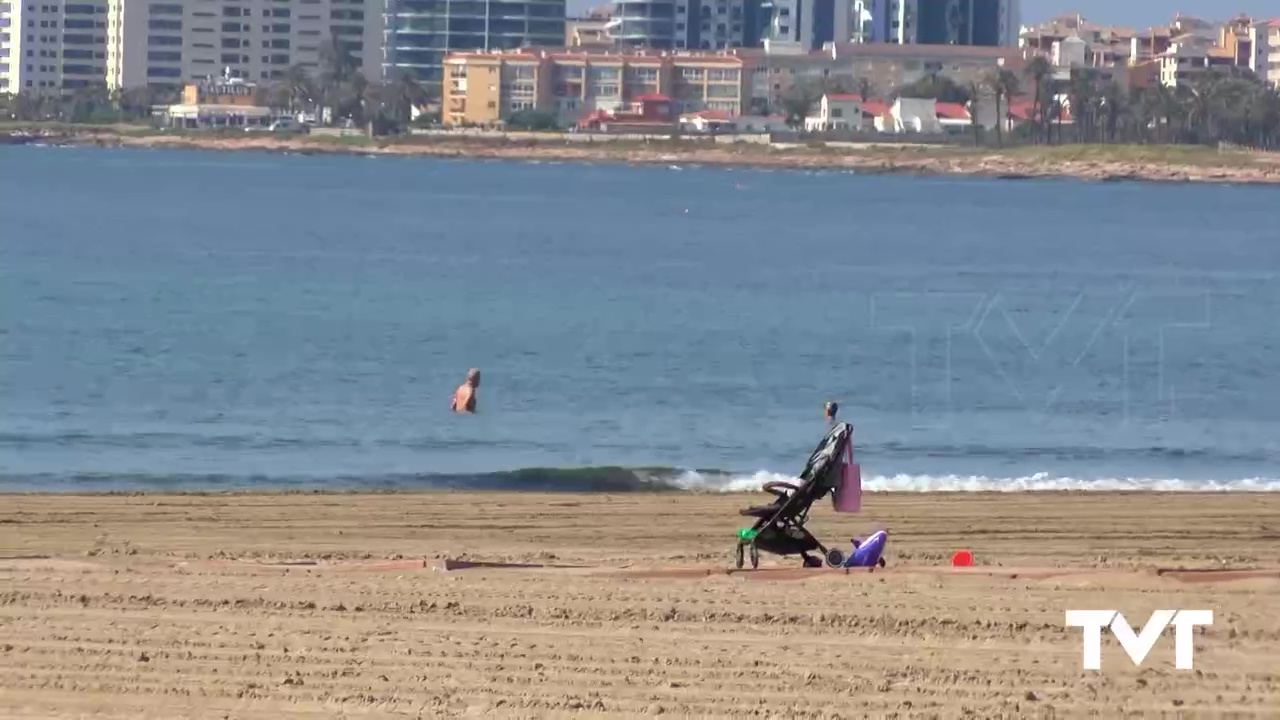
[183,320]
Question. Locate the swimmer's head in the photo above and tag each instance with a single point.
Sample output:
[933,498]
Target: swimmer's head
[473,377]
[832,408]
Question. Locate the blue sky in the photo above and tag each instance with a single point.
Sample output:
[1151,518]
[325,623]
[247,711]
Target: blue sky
[1132,13]
[1145,13]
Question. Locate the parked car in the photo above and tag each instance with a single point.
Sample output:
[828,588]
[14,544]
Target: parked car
[283,126]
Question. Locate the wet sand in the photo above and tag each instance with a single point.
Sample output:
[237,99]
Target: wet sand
[328,605]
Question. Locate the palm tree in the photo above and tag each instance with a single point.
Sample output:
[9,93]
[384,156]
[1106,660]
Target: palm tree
[339,74]
[1038,71]
[1112,104]
[1201,110]
[401,95]
[865,88]
[298,89]
[136,102]
[1003,84]
[975,101]
[1081,100]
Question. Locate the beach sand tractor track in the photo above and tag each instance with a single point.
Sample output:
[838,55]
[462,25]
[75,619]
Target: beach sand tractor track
[1193,575]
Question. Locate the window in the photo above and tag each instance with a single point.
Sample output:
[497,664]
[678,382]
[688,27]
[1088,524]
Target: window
[604,73]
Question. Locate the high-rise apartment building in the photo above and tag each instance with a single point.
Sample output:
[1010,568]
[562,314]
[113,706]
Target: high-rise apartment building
[160,43]
[689,24]
[810,24]
[51,48]
[418,33]
[988,23]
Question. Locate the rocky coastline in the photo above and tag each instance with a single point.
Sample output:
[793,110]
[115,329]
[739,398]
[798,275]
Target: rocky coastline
[1109,165]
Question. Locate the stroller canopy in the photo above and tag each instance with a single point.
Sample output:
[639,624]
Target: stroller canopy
[826,458]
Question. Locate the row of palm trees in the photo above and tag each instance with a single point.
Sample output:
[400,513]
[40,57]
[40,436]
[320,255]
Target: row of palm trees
[338,86]
[1090,107]
[1216,107]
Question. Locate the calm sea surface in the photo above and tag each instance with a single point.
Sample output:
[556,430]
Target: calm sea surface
[181,320]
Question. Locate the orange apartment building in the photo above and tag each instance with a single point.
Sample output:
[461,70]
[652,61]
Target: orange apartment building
[485,88]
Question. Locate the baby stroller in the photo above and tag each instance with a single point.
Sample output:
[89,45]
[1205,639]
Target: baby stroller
[779,526]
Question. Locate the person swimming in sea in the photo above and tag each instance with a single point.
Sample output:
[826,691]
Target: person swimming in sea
[464,398]
[832,408]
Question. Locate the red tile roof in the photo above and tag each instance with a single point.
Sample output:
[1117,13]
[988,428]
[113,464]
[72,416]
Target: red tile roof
[952,111]
[653,97]
[844,97]
[875,108]
[711,115]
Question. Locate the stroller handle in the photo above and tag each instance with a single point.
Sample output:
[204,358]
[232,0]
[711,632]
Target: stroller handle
[771,487]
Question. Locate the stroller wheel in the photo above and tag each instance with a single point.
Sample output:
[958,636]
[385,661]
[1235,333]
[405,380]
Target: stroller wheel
[835,558]
[755,556]
[739,557]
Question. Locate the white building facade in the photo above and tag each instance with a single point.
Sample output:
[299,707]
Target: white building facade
[1273,52]
[58,46]
[175,42]
[51,48]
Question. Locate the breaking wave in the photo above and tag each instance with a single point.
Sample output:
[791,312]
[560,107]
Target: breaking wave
[605,480]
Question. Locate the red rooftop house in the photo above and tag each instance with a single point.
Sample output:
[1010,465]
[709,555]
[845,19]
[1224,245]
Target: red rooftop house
[654,113]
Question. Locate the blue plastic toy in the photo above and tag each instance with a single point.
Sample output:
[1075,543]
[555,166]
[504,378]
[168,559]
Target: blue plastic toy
[869,552]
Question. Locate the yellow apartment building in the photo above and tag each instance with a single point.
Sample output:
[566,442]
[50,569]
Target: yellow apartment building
[484,88]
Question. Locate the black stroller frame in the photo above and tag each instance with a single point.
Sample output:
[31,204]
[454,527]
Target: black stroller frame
[779,528]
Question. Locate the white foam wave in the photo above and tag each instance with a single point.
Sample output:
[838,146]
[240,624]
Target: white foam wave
[1040,482]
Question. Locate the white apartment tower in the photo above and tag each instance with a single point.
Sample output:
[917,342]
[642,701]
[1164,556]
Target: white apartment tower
[171,43]
[51,47]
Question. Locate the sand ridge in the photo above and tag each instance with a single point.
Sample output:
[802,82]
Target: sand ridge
[334,605]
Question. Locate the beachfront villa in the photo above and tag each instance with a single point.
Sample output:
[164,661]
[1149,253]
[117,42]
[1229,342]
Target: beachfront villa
[836,112]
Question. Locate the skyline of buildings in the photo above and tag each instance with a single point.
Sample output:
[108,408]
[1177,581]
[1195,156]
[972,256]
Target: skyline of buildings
[59,46]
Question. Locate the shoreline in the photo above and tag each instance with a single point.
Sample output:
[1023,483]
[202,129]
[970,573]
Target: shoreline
[1165,164]
[892,495]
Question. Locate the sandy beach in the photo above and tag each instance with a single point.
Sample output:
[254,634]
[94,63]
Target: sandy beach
[331,605]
